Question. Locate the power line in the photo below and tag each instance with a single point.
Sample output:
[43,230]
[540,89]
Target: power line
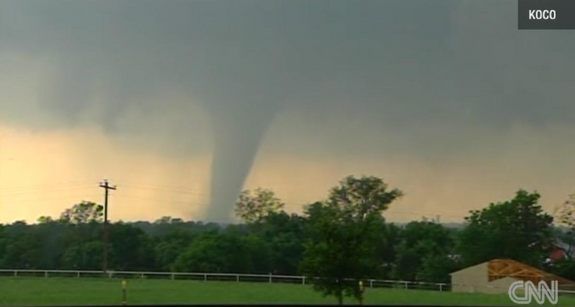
[47,191]
[51,198]
[48,185]
[162,189]
[106,188]
[162,200]
[178,195]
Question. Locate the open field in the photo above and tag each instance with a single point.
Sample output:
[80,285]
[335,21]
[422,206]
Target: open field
[58,290]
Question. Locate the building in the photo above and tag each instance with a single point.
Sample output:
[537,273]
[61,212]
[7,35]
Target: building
[495,276]
[560,251]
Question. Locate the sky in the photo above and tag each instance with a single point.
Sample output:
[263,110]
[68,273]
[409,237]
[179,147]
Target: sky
[182,104]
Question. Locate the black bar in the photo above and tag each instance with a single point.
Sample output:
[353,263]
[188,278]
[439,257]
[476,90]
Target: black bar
[545,14]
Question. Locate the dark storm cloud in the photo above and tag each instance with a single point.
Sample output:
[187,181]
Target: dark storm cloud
[366,77]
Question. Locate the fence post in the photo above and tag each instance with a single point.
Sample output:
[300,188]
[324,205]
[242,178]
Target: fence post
[78,274]
[371,283]
[270,278]
[238,277]
[440,287]
[45,274]
[172,276]
[303,280]
[205,277]
[405,282]
[124,292]
[15,273]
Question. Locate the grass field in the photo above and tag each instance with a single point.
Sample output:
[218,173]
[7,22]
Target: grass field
[37,290]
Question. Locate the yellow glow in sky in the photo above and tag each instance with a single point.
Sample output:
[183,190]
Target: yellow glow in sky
[43,173]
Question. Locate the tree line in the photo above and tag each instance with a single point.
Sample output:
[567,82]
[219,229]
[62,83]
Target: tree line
[339,241]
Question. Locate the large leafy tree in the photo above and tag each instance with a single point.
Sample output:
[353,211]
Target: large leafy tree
[516,229]
[254,206]
[344,233]
[84,212]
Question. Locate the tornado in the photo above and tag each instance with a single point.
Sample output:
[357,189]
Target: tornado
[237,139]
[241,110]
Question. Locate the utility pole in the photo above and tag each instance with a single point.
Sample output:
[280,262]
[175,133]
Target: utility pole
[106,188]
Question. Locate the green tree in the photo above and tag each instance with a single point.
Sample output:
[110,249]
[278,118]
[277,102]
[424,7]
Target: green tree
[253,207]
[565,216]
[423,253]
[22,247]
[84,212]
[83,256]
[344,233]
[283,233]
[387,250]
[565,268]
[169,247]
[222,253]
[516,229]
[45,220]
[130,248]
[52,236]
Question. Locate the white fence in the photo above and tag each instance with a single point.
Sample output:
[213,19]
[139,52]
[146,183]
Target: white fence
[269,278]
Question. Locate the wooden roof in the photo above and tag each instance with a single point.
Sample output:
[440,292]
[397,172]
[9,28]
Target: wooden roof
[501,268]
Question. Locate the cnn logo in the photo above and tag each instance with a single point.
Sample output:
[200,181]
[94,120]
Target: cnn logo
[531,292]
